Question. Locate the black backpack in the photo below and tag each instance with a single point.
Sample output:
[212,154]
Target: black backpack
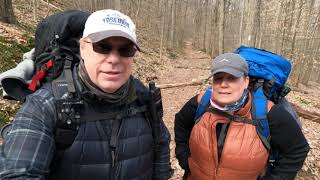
[56,41]
[57,45]
[56,50]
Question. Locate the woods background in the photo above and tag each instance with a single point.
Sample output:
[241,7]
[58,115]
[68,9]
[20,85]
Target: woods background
[286,27]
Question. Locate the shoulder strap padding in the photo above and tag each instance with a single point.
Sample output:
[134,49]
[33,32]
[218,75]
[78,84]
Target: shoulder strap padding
[260,108]
[203,104]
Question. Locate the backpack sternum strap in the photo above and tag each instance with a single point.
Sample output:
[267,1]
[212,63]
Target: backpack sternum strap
[235,118]
[117,115]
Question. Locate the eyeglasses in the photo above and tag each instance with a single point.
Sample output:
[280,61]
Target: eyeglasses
[128,50]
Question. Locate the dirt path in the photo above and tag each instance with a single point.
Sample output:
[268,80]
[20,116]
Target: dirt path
[193,66]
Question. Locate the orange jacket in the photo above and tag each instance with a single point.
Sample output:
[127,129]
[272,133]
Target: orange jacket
[243,157]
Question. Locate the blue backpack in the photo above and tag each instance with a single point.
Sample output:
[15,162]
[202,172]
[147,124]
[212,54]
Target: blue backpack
[268,74]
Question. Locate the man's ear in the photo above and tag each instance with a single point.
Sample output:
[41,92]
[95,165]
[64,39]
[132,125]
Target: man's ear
[82,46]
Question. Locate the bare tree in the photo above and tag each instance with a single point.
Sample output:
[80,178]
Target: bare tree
[295,29]
[221,25]
[241,21]
[35,9]
[309,44]
[162,8]
[204,42]
[117,5]
[6,12]
[256,22]
[173,23]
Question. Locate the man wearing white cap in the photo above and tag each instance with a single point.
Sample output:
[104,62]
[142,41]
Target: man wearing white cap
[118,137]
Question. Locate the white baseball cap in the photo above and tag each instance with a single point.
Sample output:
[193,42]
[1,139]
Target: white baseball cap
[108,23]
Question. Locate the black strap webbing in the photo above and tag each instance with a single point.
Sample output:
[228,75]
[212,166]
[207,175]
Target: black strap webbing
[116,114]
[64,137]
[234,118]
[68,74]
[221,138]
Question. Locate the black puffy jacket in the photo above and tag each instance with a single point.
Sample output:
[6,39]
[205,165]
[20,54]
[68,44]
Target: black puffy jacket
[30,151]
[137,154]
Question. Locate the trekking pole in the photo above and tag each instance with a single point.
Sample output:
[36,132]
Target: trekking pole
[155,108]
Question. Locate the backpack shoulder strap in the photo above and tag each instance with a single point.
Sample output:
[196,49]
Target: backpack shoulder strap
[68,106]
[152,99]
[259,113]
[203,104]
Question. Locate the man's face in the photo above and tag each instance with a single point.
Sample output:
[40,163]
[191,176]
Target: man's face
[107,63]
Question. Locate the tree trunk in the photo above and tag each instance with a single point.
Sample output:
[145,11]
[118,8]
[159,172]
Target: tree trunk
[241,21]
[221,25]
[6,12]
[256,23]
[309,69]
[214,32]
[307,27]
[137,13]
[173,18]
[318,78]
[305,62]
[162,29]
[205,26]
[294,31]
[263,26]
[178,23]
[211,29]
[307,72]
[251,29]
[117,5]
[278,32]
[184,20]
[284,28]
[197,23]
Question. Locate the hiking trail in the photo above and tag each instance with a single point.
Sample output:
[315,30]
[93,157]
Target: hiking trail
[194,65]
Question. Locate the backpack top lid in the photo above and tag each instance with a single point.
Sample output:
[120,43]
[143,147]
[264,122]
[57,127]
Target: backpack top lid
[266,65]
[68,25]
[57,40]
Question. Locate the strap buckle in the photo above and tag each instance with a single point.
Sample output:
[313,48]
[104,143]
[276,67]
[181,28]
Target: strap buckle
[237,119]
[131,111]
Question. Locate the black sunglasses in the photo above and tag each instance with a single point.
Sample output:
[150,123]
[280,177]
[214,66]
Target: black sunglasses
[128,50]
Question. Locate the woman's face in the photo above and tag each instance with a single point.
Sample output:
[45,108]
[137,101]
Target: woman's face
[228,89]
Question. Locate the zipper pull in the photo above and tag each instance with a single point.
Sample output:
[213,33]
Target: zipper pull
[113,157]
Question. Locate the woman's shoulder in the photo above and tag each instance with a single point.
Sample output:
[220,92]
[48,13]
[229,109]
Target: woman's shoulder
[283,114]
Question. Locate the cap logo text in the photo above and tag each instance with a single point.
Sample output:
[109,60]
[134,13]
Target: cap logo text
[116,20]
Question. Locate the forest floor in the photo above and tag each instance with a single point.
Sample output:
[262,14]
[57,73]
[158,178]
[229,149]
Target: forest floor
[193,66]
